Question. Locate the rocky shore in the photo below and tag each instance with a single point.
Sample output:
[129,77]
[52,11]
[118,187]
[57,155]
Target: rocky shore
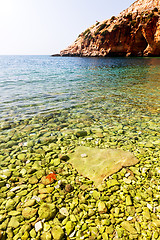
[134,32]
[43,197]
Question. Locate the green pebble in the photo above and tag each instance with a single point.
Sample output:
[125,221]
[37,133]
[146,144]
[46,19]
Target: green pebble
[32,233]
[30,203]
[73,218]
[91,212]
[81,133]
[21,156]
[40,173]
[128,200]
[46,226]
[10,204]
[56,162]
[29,212]
[14,213]
[120,232]
[102,208]
[25,236]
[127,226]
[13,223]
[58,233]
[47,211]
[84,227]
[96,195]
[106,222]
[109,229]
[22,193]
[105,236]
[112,182]
[146,214]
[138,227]
[2,183]
[33,180]
[94,231]
[69,227]
[155,235]
[46,236]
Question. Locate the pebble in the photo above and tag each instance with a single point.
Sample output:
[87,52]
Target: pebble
[68,188]
[64,211]
[129,218]
[29,212]
[38,226]
[57,233]
[84,155]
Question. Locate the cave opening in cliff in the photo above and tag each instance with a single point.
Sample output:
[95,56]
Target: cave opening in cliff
[140,43]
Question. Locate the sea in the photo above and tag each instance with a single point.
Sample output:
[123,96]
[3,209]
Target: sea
[121,95]
[114,87]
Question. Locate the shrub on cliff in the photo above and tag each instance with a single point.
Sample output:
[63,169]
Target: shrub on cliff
[86,32]
[133,22]
[155,9]
[113,18]
[96,32]
[104,32]
[102,26]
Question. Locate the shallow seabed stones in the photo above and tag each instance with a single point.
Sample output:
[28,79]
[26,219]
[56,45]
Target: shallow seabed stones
[125,206]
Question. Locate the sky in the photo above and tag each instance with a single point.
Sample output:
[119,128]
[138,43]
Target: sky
[44,27]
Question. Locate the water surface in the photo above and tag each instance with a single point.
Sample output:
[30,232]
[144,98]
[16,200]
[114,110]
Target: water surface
[123,87]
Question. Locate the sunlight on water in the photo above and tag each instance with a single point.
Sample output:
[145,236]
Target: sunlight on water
[38,84]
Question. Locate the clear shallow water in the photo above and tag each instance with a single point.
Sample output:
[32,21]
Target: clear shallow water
[114,87]
[94,102]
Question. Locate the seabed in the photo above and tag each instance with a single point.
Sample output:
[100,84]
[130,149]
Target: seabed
[68,205]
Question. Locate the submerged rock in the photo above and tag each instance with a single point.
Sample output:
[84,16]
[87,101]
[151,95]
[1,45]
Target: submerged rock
[29,212]
[14,223]
[57,233]
[127,226]
[100,163]
[47,211]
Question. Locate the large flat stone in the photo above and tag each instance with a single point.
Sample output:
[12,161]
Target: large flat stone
[97,164]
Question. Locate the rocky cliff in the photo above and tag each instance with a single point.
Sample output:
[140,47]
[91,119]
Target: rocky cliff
[134,32]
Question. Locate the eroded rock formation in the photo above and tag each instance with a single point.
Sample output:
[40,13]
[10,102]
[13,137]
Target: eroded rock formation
[134,32]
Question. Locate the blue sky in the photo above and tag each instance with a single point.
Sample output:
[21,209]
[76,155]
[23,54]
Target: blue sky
[48,26]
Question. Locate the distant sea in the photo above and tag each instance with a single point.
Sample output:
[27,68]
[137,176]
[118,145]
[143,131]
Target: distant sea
[115,88]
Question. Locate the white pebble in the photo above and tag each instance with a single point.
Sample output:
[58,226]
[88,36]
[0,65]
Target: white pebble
[64,211]
[59,182]
[38,226]
[127,174]
[127,180]
[129,218]
[36,198]
[3,176]
[28,161]
[72,234]
[149,206]
[84,155]
[15,188]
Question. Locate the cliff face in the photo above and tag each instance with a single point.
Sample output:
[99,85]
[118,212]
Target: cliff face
[134,32]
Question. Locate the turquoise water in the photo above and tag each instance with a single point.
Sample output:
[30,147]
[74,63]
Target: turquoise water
[114,87]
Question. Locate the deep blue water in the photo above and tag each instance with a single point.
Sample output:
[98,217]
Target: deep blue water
[30,85]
